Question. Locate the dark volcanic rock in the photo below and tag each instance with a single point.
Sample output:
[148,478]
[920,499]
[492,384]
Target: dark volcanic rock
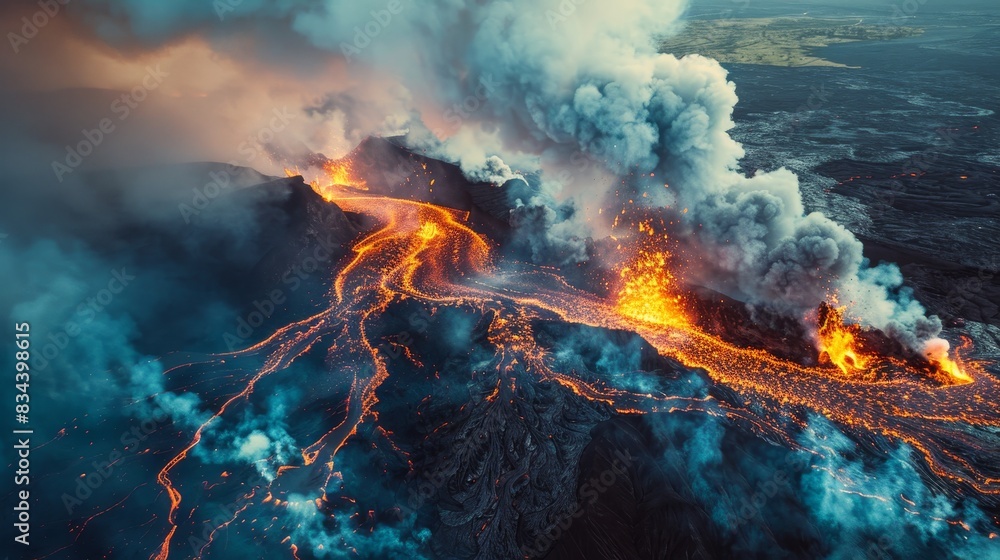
[940,225]
[650,512]
[312,228]
[253,239]
[394,171]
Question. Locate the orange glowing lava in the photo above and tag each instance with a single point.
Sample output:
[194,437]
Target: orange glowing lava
[647,291]
[432,254]
[937,354]
[838,342]
[332,176]
[341,172]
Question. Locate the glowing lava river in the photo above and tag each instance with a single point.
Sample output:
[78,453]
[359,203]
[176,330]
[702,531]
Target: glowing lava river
[420,252]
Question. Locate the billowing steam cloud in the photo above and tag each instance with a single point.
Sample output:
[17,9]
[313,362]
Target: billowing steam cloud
[594,83]
[508,85]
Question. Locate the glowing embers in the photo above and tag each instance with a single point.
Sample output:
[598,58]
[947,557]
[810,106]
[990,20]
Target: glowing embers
[333,178]
[843,345]
[428,231]
[838,342]
[341,172]
[647,291]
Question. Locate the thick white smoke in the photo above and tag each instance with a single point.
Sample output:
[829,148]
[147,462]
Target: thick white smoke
[567,78]
[519,86]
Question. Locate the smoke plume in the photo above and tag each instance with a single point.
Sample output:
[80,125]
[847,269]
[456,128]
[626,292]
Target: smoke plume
[505,88]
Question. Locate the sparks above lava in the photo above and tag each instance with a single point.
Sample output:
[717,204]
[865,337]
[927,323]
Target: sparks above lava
[838,342]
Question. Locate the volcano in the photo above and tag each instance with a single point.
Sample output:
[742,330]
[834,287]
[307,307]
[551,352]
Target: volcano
[492,280]
[406,381]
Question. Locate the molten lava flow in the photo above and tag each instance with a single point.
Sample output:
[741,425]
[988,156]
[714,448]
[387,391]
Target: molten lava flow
[838,341]
[937,354]
[647,291]
[431,254]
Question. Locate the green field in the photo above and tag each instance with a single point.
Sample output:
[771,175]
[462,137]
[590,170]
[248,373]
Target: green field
[776,41]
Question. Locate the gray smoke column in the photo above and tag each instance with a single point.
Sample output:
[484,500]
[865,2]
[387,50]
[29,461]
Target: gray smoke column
[518,86]
[586,77]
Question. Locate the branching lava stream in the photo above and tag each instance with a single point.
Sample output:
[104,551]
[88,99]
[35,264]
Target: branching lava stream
[430,253]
